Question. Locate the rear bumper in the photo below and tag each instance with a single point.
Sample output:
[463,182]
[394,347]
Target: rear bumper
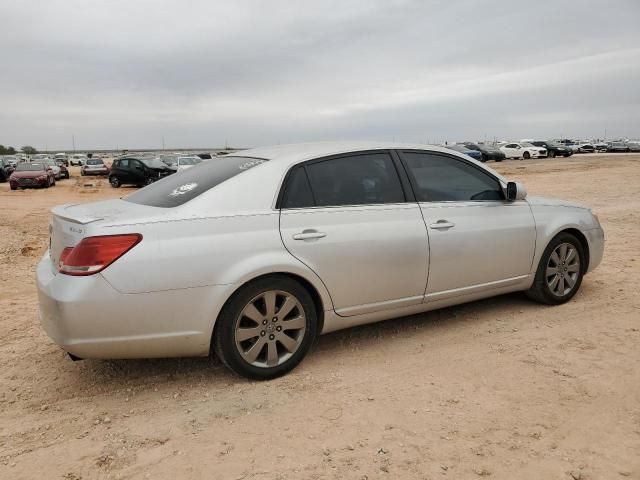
[89,318]
[96,172]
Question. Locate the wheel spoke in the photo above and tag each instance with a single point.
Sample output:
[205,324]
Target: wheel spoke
[551,271]
[250,311]
[553,283]
[555,258]
[563,252]
[560,289]
[571,255]
[243,334]
[570,281]
[287,342]
[270,303]
[294,324]
[573,268]
[286,307]
[272,354]
[251,354]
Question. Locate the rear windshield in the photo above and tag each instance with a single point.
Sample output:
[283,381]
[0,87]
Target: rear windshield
[179,188]
[95,161]
[29,167]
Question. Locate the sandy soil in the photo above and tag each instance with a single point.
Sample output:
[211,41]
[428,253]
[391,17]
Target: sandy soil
[504,387]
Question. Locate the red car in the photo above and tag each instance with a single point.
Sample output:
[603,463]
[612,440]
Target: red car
[30,174]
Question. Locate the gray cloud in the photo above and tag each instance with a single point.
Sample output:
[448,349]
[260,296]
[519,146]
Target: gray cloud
[120,73]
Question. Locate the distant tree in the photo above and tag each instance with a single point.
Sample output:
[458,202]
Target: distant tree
[29,150]
[7,150]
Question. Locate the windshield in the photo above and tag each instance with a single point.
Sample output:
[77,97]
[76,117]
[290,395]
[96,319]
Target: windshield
[29,167]
[527,144]
[179,188]
[153,163]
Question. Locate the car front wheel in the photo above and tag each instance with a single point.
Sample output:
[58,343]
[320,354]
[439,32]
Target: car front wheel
[114,181]
[526,155]
[560,271]
[266,328]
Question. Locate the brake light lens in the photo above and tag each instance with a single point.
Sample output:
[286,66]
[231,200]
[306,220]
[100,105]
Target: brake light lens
[94,254]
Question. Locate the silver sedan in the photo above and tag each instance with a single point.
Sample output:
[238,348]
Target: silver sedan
[254,255]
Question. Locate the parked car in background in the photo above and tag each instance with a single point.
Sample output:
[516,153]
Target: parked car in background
[487,152]
[32,174]
[137,171]
[61,158]
[600,146]
[184,163]
[11,160]
[94,166]
[569,144]
[194,264]
[634,146]
[6,169]
[51,163]
[64,171]
[586,148]
[553,149]
[475,154]
[77,159]
[523,150]
[618,147]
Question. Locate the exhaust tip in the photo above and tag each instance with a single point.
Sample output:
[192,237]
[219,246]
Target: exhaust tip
[73,357]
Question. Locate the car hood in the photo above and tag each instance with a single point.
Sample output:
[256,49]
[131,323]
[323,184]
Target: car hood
[553,202]
[28,174]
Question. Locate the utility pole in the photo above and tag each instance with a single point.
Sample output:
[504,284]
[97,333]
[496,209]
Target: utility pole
[163,143]
[73,142]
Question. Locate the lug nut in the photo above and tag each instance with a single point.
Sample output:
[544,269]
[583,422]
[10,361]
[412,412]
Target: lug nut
[263,333]
[278,328]
[272,336]
[274,319]
[264,322]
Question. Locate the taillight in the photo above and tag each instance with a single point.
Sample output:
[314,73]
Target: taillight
[94,254]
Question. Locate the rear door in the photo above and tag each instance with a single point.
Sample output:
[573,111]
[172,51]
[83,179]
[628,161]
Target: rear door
[351,221]
[478,240]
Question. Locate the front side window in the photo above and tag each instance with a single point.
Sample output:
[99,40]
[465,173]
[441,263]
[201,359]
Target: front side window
[438,178]
[355,180]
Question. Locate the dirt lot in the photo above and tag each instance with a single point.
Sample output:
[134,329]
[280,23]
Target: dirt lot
[503,387]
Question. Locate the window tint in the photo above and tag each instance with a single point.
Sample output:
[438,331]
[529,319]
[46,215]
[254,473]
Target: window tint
[438,178]
[123,163]
[298,191]
[179,188]
[355,180]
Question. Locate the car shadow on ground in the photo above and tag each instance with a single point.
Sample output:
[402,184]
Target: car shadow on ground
[211,370]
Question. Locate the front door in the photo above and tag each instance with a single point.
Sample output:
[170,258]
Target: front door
[348,220]
[477,239]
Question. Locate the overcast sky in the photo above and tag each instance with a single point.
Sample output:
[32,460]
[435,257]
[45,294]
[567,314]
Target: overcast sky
[126,73]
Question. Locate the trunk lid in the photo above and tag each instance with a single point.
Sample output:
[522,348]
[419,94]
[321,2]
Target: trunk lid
[71,223]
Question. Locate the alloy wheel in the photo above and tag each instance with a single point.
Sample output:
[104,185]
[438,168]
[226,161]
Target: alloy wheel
[270,329]
[563,269]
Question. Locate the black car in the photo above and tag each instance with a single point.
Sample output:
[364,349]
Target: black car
[554,149]
[6,169]
[488,152]
[137,171]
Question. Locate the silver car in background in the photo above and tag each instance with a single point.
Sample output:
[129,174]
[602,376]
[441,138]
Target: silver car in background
[252,256]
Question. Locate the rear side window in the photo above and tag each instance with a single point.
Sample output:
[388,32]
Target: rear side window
[179,188]
[355,180]
[298,191]
[439,178]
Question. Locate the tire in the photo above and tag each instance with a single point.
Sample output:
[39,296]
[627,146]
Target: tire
[526,155]
[544,290]
[552,154]
[53,182]
[237,356]
[484,158]
[114,181]
[81,173]
[13,187]
[148,181]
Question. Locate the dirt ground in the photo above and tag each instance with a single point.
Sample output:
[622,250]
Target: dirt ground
[501,388]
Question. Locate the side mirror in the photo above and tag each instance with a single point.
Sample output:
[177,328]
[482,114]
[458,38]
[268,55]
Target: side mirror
[516,191]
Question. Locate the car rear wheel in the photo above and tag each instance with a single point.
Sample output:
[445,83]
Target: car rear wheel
[114,181]
[560,271]
[552,154]
[526,155]
[266,328]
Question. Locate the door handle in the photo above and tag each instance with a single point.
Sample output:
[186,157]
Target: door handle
[309,235]
[442,225]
